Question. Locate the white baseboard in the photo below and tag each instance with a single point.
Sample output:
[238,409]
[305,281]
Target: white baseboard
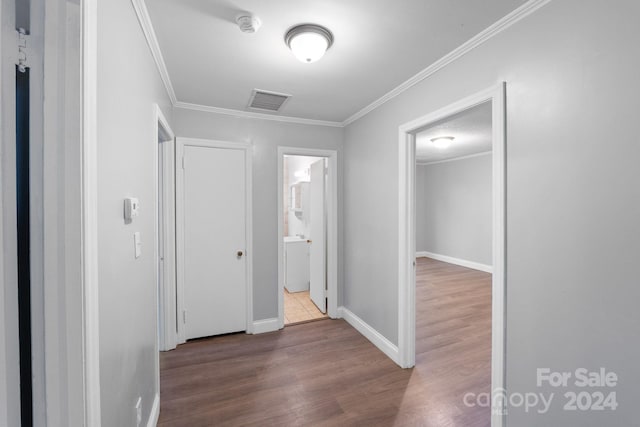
[457,261]
[155,412]
[386,346]
[265,325]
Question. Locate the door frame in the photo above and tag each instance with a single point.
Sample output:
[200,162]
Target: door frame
[332,226]
[9,341]
[164,140]
[407,227]
[246,147]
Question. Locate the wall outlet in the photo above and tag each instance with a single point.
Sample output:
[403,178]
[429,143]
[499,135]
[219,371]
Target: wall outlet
[138,409]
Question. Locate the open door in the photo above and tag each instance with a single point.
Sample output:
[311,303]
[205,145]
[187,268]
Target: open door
[317,249]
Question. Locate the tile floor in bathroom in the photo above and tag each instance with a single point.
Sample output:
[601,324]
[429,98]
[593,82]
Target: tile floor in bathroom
[298,308]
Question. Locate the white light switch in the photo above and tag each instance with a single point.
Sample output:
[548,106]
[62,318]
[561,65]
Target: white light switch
[138,243]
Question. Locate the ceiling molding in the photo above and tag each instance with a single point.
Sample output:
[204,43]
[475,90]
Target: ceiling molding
[468,156]
[147,28]
[252,115]
[501,25]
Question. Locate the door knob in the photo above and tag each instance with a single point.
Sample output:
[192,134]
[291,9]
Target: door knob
[239,254]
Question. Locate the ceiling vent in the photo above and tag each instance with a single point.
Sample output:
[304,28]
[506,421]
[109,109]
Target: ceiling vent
[267,101]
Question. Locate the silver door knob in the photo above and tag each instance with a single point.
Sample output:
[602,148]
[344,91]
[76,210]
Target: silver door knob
[239,254]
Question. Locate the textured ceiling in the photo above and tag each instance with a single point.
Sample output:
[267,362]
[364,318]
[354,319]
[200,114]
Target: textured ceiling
[378,45]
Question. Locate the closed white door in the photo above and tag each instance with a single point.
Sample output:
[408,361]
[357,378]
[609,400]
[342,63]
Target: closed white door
[317,254]
[214,241]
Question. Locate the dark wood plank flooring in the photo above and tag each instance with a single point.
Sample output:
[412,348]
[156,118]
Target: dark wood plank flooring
[325,373]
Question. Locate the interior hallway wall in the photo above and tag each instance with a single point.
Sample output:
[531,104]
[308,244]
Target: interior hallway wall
[265,136]
[453,209]
[573,203]
[128,85]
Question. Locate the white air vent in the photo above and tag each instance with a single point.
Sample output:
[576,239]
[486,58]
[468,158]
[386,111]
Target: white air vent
[267,101]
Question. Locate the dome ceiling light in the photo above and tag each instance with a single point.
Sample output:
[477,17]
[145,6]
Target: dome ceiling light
[442,142]
[308,42]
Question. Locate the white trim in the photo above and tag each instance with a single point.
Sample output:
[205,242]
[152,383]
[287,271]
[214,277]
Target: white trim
[9,341]
[332,226]
[154,415]
[145,23]
[248,157]
[90,213]
[167,293]
[91,306]
[265,325]
[457,261]
[406,228]
[520,13]
[149,33]
[383,344]
[469,156]
[254,115]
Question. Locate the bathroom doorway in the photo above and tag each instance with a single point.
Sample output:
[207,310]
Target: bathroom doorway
[304,226]
[307,236]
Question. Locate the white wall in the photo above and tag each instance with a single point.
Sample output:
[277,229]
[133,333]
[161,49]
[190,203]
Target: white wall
[128,85]
[265,136]
[453,209]
[573,203]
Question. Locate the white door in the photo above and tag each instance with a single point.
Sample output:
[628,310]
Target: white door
[214,240]
[317,254]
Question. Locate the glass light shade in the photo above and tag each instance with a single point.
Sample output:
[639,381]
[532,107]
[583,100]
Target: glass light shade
[442,142]
[308,42]
[308,47]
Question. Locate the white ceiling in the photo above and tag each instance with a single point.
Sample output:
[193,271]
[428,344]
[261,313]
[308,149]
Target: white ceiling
[378,45]
[471,130]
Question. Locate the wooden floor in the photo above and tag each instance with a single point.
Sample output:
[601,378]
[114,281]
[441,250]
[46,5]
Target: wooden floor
[326,373]
[299,308]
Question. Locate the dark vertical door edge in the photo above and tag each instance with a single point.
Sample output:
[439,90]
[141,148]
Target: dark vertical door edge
[23,237]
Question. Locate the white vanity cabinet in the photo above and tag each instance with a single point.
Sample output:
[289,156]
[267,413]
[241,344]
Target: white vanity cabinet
[296,264]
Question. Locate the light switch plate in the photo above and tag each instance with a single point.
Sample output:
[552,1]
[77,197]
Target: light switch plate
[138,244]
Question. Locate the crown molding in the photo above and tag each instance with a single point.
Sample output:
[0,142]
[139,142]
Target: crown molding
[468,156]
[501,25]
[523,11]
[147,28]
[252,115]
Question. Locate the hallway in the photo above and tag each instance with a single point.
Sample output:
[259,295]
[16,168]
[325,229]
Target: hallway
[326,373]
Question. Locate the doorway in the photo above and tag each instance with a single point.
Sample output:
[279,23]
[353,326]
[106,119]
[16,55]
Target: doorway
[166,264]
[305,238]
[407,232]
[307,235]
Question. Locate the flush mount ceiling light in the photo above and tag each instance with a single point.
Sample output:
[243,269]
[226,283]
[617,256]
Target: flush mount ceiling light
[308,42]
[442,142]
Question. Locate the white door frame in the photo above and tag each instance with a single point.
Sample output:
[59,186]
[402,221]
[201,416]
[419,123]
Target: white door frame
[89,197]
[168,334]
[407,227]
[332,226]
[9,341]
[181,143]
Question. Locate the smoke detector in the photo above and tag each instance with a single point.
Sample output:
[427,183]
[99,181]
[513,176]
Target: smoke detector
[248,22]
